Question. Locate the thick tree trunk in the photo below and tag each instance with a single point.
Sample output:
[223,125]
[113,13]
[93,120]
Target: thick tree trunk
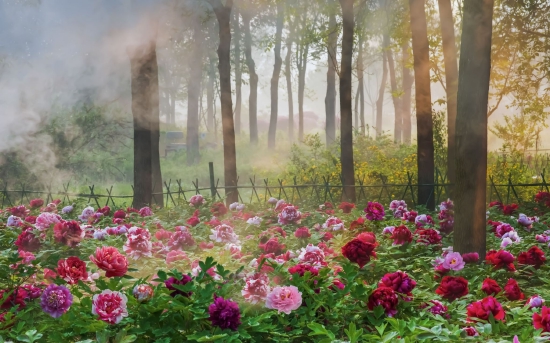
[380,100]
[193,92]
[223,13]
[275,78]
[346,125]
[302,65]
[424,120]
[451,83]
[395,98]
[330,98]
[288,76]
[210,96]
[238,72]
[471,127]
[253,97]
[361,86]
[408,81]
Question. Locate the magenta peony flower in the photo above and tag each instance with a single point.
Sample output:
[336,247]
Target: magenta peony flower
[290,215]
[56,300]
[453,261]
[375,211]
[110,306]
[196,200]
[145,212]
[470,257]
[284,299]
[138,243]
[225,314]
[256,288]
[399,281]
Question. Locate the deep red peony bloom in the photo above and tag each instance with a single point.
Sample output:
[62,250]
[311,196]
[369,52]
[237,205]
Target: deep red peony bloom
[360,222]
[452,287]
[301,269]
[218,209]
[68,232]
[375,211]
[272,246]
[225,314]
[72,269]
[106,210]
[543,198]
[19,211]
[27,241]
[16,298]
[385,297]
[427,236]
[399,281]
[36,203]
[470,257]
[302,232]
[490,287]
[482,308]
[120,214]
[501,259]
[496,204]
[534,257]
[110,260]
[346,207]
[359,251]
[401,235]
[512,291]
[193,221]
[367,237]
[542,320]
[327,236]
[509,209]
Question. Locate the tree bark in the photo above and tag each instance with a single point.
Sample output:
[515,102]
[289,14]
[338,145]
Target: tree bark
[193,92]
[223,14]
[451,83]
[380,100]
[408,81]
[253,97]
[424,120]
[330,97]
[271,138]
[361,86]
[238,72]
[210,96]
[302,65]
[346,124]
[471,127]
[288,76]
[395,98]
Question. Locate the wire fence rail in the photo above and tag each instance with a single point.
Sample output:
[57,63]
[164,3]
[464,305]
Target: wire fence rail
[320,190]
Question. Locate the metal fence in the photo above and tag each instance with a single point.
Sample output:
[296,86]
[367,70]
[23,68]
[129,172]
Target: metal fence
[254,190]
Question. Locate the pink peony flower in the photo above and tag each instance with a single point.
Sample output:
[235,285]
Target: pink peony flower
[196,200]
[110,306]
[110,260]
[453,261]
[181,239]
[224,234]
[333,224]
[375,211]
[388,230]
[312,255]
[290,215]
[174,256]
[138,243]
[284,299]
[145,212]
[256,288]
[302,232]
[45,220]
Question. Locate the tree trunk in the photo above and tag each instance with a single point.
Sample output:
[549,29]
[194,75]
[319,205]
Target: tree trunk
[253,97]
[408,81]
[346,125]
[210,96]
[302,65]
[193,92]
[451,83]
[275,78]
[471,127]
[330,98]
[238,72]
[424,120]
[395,98]
[356,109]
[361,86]
[173,107]
[288,76]
[223,14]
[380,100]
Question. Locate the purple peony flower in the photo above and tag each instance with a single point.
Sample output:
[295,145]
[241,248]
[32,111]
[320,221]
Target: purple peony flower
[453,261]
[225,314]
[173,281]
[375,211]
[56,300]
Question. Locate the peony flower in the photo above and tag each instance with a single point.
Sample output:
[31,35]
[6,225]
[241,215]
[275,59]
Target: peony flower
[218,209]
[452,287]
[471,331]
[482,308]
[501,259]
[542,320]
[399,281]
[72,269]
[67,209]
[224,234]
[423,220]
[272,201]
[453,261]
[409,216]
[312,255]
[14,221]
[171,281]
[174,256]
[196,200]
[301,270]
[375,211]
[398,207]
[69,233]
[490,287]
[138,243]
[111,261]
[56,300]
[401,235]
[256,288]
[27,241]
[535,301]
[359,251]
[385,297]
[86,213]
[145,212]
[19,211]
[428,236]
[436,307]
[512,290]
[333,224]
[290,215]
[284,299]
[367,237]
[110,306]
[346,207]
[181,239]
[257,221]
[143,293]
[225,314]
[272,246]
[470,257]
[302,232]
[534,257]
[388,230]
[503,228]
[509,209]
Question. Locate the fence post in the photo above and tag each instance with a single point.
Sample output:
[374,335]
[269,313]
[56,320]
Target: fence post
[212,185]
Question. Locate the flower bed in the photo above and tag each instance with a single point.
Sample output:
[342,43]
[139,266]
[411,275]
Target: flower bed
[209,273]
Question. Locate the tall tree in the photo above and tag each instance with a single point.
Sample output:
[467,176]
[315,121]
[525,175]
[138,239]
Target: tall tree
[330,97]
[471,127]
[407,81]
[253,96]
[275,77]
[346,124]
[361,84]
[223,14]
[238,71]
[193,90]
[395,97]
[210,95]
[288,77]
[301,64]
[382,90]
[451,82]
[424,121]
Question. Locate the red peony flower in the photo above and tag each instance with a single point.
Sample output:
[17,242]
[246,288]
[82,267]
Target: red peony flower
[509,209]
[543,198]
[19,211]
[72,269]
[193,221]
[301,269]
[359,223]
[106,210]
[399,281]
[482,308]
[501,259]
[327,236]
[346,207]
[427,236]
[272,246]
[542,320]
[496,204]
[534,257]
[36,203]
[30,219]
[68,232]
[302,232]
[27,241]
[385,297]
[110,260]
[470,257]
[359,251]
[452,287]
[490,287]
[367,237]
[16,298]
[401,235]
[375,211]
[218,209]
[512,291]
